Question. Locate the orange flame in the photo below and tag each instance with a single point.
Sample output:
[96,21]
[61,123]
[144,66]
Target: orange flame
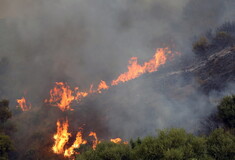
[80,95]
[125,142]
[96,141]
[23,104]
[116,140]
[102,86]
[62,96]
[135,70]
[91,90]
[70,151]
[61,137]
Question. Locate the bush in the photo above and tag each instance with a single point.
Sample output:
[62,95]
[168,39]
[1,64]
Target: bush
[5,146]
[221,145]
[223,39]
[227,27]
[200,47]
[171,144]
[5,113]
[226,111]
[210,123]
[107,151]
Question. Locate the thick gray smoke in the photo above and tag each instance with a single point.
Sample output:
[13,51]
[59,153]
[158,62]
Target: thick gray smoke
[85,41]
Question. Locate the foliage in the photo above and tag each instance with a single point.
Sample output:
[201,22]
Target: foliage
[223,36]
[223,39]
[5,113]
[171,144]
[226,111]
[227,27]
[6,126]
[201,46]
[210,123]
[107,151]
[221,145]
[222,117]
[5,146]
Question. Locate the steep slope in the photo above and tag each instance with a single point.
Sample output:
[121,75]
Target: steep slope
[213,72]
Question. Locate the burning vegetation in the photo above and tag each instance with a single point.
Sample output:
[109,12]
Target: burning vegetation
[83,103]
[62,96]
[23,104]
[68,143]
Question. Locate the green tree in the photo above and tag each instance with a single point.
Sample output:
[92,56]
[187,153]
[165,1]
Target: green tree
[5,113]
[171,144]
[221,145]
[201,46]
[107,151]
[226,111]
[223,39]
[5,146]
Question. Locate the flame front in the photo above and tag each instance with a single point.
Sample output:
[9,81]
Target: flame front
[135,70]
[62,96]
[116,140]
[102,86]
[70,151]
[23,104]
[61,137]
[96,141]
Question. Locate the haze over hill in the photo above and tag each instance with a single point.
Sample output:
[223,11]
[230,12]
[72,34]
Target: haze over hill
[83,42]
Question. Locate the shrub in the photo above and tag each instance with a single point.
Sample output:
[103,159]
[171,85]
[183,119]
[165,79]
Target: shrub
[226,111]
[223,39]
[201,46]
[221,145]
[107,151]
[171,144]
[228,27]
[211,41]
[5,146]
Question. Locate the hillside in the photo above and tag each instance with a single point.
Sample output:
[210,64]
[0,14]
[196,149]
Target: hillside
[117,80]
[213,72]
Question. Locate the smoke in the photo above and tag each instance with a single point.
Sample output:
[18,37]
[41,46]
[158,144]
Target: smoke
[85,41]
[74,40]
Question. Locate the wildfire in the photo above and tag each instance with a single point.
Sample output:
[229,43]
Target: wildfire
[70,151]
[96,141]
[80,95]
[102,86]
[116,140]
[62,96]
[135,70]
[61,137]
[23,104]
